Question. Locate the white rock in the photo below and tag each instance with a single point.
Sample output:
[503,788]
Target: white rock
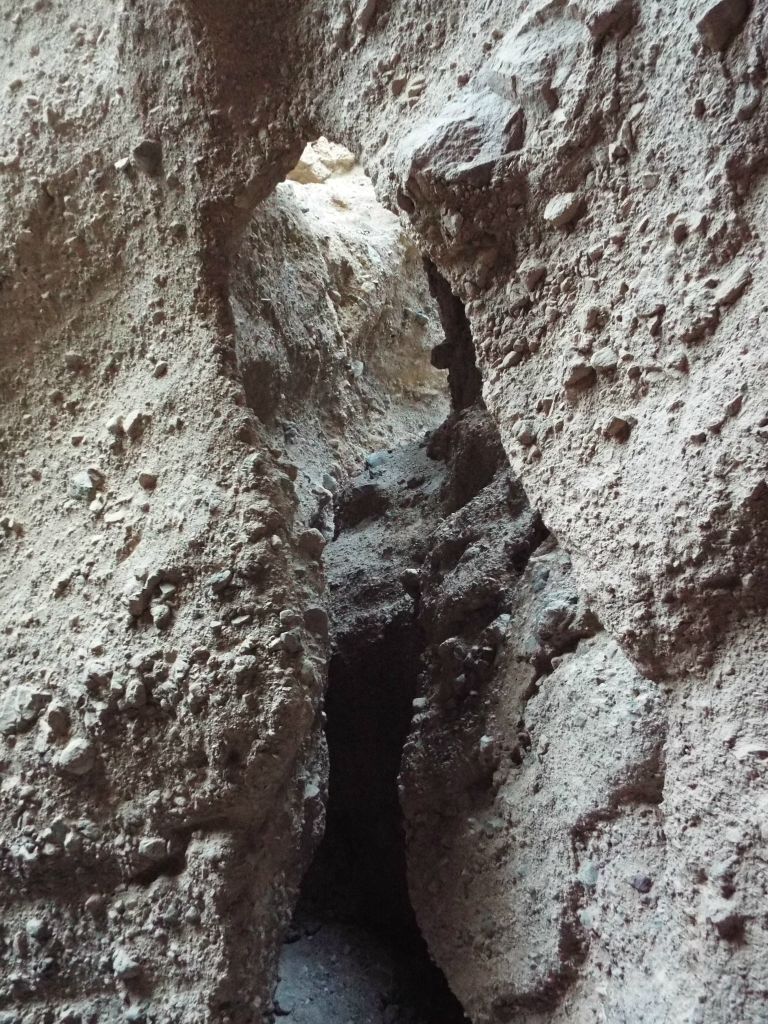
[605,360]
[135,694]
[153,848]
[124,966]
[563,209]
[18,710]
[77,758]
[115,426]
[732,287]
[133,424]
[532,274]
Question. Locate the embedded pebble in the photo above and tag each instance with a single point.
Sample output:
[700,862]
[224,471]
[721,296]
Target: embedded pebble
[77,758]
[316,620]
[579,374]
[134,423]
[721,21]
[219,581]
[124,966]
[563,209]
[83,485]
[312,543]
[292,641]
[733,286]
[643,883]
[605,360]
[525,433]
[162,615]
[153,848]
[148,480]
[619,427]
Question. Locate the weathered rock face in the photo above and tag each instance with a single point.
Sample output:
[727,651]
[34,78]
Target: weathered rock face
[159,785]
[163,762]
[589,177]
[536,718]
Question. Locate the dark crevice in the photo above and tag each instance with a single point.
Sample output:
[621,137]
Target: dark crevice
[371,686]
[457,353]
[359,874]
[429,541]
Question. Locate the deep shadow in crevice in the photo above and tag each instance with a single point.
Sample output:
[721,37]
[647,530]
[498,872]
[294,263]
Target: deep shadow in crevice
[457,353]
[359,873]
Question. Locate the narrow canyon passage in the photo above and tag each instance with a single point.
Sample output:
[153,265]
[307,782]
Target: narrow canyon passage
[430,538]
[346,272]
[436,508]
[355,952]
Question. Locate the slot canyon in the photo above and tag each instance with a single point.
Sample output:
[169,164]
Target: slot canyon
[383,512]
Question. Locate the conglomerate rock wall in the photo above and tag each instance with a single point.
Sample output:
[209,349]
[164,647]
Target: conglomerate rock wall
[589,177]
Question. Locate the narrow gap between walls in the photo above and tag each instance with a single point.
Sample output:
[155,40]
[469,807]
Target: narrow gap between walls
[359,360]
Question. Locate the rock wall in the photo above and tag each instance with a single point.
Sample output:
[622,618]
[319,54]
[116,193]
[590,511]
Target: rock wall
[163,764]
[589,177]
